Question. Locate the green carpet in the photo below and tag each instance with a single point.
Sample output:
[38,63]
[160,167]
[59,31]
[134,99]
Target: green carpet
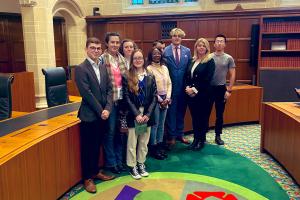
[212,162]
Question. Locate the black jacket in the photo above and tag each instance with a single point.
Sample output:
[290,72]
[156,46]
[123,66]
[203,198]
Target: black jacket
[95,97]
[202,77]
[134,103]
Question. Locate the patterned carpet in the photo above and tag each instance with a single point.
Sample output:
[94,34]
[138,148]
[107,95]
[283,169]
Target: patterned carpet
[245,140]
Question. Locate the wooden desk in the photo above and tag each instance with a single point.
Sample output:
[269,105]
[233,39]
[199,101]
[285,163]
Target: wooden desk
[280,129]
[15,114]
[243,106]
[40,161]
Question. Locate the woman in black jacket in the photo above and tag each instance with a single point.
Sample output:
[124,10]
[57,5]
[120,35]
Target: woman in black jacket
[198,90]
[141,97]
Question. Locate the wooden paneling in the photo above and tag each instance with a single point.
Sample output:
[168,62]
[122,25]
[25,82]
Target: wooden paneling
[207,28]
[116,27]
[186,25]
[23,94]
[228,27]
[151,31]
[246,23]
[134,31]
[12,58]
[60,42]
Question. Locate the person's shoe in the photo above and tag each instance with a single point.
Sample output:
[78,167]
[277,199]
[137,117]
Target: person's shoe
[104,177]
[142,170]
[198,146]
[114,170]
[122,168]
[89,186]
[218,140]
[183,140]
[134,173]
[194,143]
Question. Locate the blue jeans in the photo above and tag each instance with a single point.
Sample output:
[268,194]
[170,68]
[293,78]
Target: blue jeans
[111,140]
[157,130]
[175,116]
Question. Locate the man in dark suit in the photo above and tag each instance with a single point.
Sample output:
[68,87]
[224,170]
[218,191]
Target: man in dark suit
[177,58]
[96,92]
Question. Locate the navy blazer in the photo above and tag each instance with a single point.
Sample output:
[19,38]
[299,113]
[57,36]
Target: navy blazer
[95,97]
[134,104]
[177,72]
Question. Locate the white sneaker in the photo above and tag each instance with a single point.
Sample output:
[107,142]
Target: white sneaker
[142,170]
[134,173]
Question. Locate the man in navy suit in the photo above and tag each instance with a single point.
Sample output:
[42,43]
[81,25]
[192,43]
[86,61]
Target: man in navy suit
[177,58]
[95,89]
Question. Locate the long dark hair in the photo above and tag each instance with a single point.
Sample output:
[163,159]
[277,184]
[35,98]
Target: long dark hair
[132,75]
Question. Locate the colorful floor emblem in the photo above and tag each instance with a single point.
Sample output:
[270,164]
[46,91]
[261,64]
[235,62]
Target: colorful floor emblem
[181,186]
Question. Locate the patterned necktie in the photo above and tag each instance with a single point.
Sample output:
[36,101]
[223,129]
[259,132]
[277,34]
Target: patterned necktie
[176,55]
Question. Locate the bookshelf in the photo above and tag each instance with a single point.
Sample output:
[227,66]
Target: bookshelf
[279,42]
[279,56]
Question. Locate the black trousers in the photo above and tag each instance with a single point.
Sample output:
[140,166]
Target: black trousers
[218,93]
[91,139]
[199,108]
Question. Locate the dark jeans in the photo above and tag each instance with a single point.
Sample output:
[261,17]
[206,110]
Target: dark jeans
[90,140]
[113,141]
[218,93]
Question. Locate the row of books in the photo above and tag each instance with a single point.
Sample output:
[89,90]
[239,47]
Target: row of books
[293,44]
[281,27]
[280,62]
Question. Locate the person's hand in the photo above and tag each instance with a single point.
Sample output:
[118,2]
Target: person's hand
[145,119]
[139,119]
[105,114]
[189,91]
[227,95]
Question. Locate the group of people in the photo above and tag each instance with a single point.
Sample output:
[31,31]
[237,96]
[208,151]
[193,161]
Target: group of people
[128,97]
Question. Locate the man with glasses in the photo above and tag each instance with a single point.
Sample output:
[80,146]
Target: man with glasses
[177,58]
[96,91]
[220,93]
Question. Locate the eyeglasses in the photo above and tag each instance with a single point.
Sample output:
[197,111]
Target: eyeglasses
[220,41]
[138,58]
[95,48]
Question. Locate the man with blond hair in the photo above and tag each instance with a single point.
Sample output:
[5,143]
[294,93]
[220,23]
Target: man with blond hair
[177,58]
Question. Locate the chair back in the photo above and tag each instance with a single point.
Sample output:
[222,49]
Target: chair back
[5,96]
[56,86]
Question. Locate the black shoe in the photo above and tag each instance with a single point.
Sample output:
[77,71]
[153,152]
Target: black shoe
[198,146]
[114,170]
[194,143]
[218,140]
[157,155]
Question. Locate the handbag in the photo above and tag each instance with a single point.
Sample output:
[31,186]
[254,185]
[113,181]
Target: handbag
[123,128]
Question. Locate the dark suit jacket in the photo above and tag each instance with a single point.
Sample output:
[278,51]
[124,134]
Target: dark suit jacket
[177,72]
[95,97]
[134,103]
[202,77]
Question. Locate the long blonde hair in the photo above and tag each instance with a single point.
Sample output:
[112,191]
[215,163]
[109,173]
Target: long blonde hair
[132,76]
[207,56]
